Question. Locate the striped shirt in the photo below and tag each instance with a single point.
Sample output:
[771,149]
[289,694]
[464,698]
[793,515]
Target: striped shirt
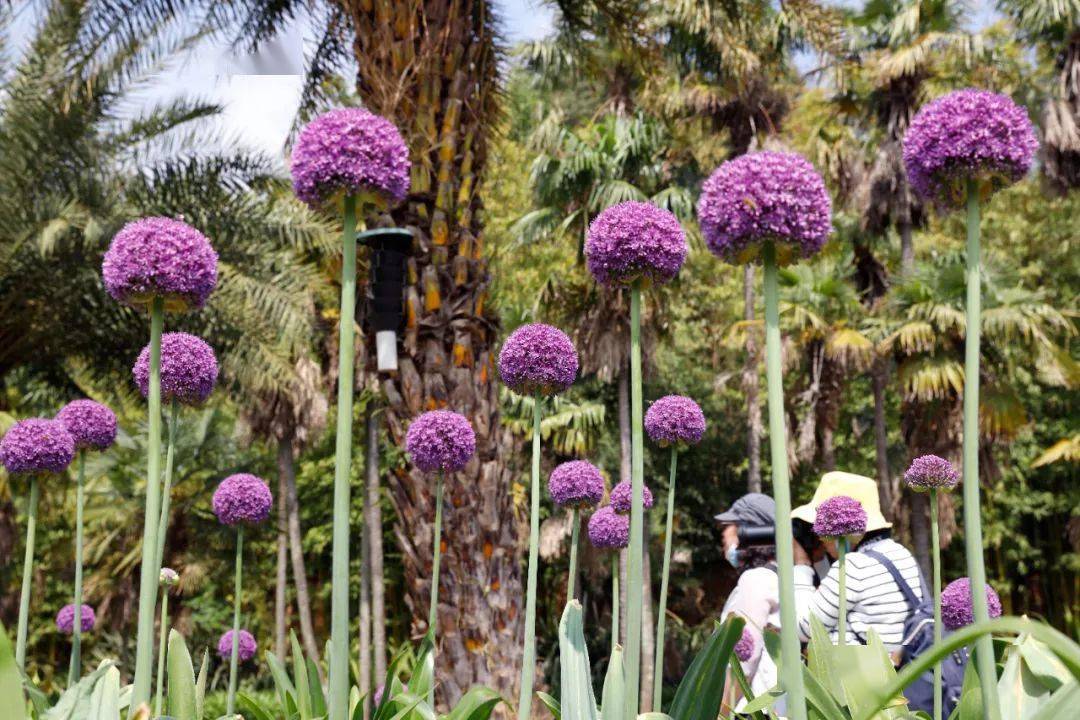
[873,598]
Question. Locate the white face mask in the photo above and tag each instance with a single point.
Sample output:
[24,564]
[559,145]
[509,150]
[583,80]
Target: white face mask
[733,556]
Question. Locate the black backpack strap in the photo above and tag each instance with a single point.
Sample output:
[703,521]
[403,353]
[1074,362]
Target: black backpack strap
[905,588]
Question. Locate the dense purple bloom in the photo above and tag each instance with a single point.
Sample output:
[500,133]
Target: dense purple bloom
[744,648]
[440,440]
[765,197]
[576,484]
[37,445]
[608,530]
[242,499]
[246,647]
[635,241]
[931,471]
[65,619]
[967,134]
[840,516]
[189,369]
[352,150]
[160,257]
[538,358]
[622,495]
[168,577]
[91,424]
[675,420]
[956,604]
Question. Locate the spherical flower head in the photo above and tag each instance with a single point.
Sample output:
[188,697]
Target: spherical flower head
[353,151]
[168,577]
[608,530]
[931,471]
[160,257]
[744,648]
[956,604]
[242,499]
[189,369]
[576,484]
[622,496]
[635,242]
[675,420]
[538,358]
[440,440]
[840,516]
[65,619]
[765,197]
[967,135]
[36,445]
[90,424]
[246,647]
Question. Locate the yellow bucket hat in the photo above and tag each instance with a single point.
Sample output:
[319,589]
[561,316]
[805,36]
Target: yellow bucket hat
[834,484]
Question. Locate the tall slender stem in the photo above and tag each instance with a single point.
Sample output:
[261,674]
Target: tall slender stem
[528,654]
[935,558]
[740,678]
[575,532]
[27,573]
[339,598]
[841,613]
[973,542]
[790,658]
[614,600]
[75,669]
[436,555]
[634,593]
[166,485]
[234,657]
[661,611]
[163,631]
[149,570]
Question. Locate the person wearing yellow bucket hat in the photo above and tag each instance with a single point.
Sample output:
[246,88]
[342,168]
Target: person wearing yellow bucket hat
[874,598]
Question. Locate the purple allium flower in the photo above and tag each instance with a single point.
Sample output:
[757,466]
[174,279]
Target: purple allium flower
[246,647]
[189,369]
[765,197]
[675,420]
[931,471]
[91,424]
[967,134]
[608,530]
[634,241]
[440,440]
[622,496]
[37,445]
[576,484]
[744,648]
[168,577]
[538,358]
[160,257]
[840,516]
[242,499]
[956,604]
[352,150]
[65,619]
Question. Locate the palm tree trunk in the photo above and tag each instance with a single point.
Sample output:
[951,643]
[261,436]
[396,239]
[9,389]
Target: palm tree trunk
[432,69]
[373,529]
[750,388]
[280,600]
[296,548]
[879,381]
[907,246]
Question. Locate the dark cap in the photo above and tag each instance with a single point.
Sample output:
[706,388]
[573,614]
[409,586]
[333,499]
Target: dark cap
[750,509]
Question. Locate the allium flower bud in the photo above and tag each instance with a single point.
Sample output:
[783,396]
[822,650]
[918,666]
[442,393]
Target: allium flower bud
[931,471]
[440,440]
[635,241]
[840,516]
[956,604]
[576,484]
[622,497]
[65,619]
[242,499]
[168,577]
[189,369]
[609,530]
[90,424]
[245,649]
[538,358]
[36,445]
[675,420]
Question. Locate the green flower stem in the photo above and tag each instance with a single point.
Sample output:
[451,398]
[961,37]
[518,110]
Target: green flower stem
[634,593]
[339,597]
[234,658]
[841,627]
[166,485]
[27,573]
[163,626]
[614,601]
[75,669]
[575,532]
[528,654]
[790,658]
[973,542]
[436,555]
[149,570]
[935,558]
[661,610]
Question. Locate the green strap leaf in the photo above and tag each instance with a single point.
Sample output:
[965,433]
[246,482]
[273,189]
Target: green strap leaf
[253,708]
[551,703]
[11,690]
[1060,702]
[105,700]
[613,698]
[477,704]
[578,701]
[702,688]
[182,693]
[200,685]
[300,677]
